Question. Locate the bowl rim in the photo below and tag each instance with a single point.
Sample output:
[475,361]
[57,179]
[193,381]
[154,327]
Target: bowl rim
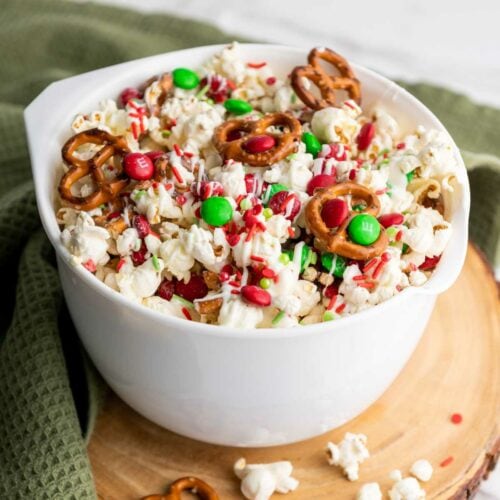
[431,287]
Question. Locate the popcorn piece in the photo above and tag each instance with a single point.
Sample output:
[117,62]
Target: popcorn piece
[348,454]
[405,488]
[369,491]
[422,470]
[260,481]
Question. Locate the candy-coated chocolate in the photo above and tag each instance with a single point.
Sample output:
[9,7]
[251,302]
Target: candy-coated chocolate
[216,211]
[364,229]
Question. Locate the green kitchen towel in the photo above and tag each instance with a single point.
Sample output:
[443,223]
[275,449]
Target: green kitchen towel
[48,394]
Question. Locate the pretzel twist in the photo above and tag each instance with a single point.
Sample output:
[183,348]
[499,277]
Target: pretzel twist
[192,484]
[327,84]
[285,142]
[336,240]
[106,190]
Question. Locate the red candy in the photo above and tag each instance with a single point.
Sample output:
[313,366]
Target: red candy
[129,93]
[429,263]
[389,220]
[259,143]
[365,136]
[280,204]
[319,182]
[218,87]
[154,155]
[232,239]
[195,288]
[142,225]
[334,212]
[138,166]
[139,257]
[166,289]
[256,296]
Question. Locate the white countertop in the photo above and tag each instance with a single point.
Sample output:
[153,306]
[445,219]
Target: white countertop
[454,43]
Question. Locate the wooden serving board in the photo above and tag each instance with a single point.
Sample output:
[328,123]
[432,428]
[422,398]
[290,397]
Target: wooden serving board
[455,369]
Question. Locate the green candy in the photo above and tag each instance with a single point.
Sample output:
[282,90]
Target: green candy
[364,229]
[340,264]
[272,190]
[185,78]
[313,146]
[216,211]
[307,257]
[238,106]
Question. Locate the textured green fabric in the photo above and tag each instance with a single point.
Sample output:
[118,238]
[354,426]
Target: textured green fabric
[48,395]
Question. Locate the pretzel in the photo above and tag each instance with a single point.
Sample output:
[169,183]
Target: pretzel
[166,84]
[336,241]
[106,190]
[192,484]
[327,84]
[235,149]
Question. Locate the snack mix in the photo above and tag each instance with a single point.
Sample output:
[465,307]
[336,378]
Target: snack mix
[234,196]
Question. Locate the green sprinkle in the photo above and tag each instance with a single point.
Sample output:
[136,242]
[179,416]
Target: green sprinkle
[268,213]
[166,133]
[202,92]
[358,208]
[405,248]
[246,204]
[278,318]
[284,258]
[384,152]
[291,157]
[139,194]
[328,260]
[391,231]
[384,162]
[156,263]
[409,175]
[211,102]
[314,258]
[182,301]
[265,283]
[103,206]
[293,98]
[328,316]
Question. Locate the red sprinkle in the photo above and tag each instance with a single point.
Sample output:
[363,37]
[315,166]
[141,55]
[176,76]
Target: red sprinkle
[401,145]
[370,265]
[352,174]
[268,273]
[235,292]
[181,199]
[360,277]
[256,296]
[177,175]
[456,418]
[232,239]
[399,235]
[271,80]
[378,270]
[365,136]
[429,263]
[385,257]
[368,284]
[291,232]
[120,264]
[90,266]
[332,301]
[186,313]
[113,215]
[256,65]
[234,283]
[128,94]
[177,150]
[446,461]
[257,258]
[340,308]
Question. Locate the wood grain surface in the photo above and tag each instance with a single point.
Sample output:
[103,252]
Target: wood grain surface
[455,369]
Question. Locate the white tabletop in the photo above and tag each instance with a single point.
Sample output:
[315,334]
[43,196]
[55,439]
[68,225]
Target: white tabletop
[454,43]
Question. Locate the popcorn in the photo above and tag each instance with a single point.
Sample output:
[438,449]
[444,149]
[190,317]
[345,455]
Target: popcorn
[405,488]
[260,481]
[348,454]
[369,491]
[422,470]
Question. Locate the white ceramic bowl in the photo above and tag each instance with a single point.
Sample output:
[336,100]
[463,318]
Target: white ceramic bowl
[235,387]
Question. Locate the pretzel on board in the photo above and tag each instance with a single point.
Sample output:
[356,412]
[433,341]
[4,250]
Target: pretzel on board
[185,484]
[328,84]
[337,240]
[105,189]
[232,137]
